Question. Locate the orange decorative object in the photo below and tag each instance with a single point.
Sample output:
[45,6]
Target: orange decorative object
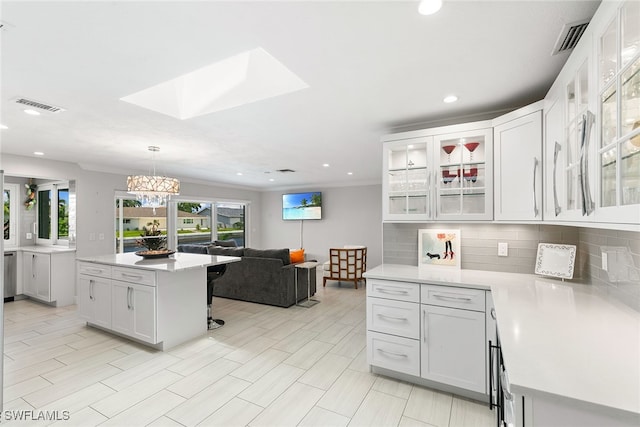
[297,256]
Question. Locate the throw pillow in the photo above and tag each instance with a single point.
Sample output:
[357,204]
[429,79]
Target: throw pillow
[297,255]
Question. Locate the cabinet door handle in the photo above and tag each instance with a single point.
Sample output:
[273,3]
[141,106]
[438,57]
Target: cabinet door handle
[128,298]
[428,195]
[33,266]
[91,289]
[587,203]
[392,291]
[424,326]
[556,151]
[451,298]
[391,353]
[398,319]
[535,192]
[493,313]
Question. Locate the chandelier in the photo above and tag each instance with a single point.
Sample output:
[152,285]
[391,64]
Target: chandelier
[153,190]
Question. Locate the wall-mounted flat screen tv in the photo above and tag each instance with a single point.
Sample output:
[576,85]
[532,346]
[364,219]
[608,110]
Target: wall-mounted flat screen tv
[297,206]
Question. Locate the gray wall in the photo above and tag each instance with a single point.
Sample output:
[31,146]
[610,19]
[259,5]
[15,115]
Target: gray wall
[480,244]
[622,280]
[351,216]
[95,199]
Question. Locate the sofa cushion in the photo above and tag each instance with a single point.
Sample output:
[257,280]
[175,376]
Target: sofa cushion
[226,243]
[282,254]
[219,250]
[193,248]
[297,255]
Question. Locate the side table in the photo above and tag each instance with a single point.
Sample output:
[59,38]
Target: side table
[310,265]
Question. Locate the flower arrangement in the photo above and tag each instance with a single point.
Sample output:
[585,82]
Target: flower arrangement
[152,237]
[30,190]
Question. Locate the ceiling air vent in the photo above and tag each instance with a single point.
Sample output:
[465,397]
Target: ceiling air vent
[285,170]
[569,36]
[39,105]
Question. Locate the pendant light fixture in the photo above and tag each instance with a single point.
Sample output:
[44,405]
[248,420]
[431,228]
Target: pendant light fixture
[153,190]
[429,7]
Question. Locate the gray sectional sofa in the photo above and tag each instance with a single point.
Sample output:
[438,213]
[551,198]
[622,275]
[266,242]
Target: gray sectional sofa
[265,276]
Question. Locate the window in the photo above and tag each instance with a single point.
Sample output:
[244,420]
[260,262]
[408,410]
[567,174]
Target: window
[10,199]
[131,218]
[52,208]
[184,221]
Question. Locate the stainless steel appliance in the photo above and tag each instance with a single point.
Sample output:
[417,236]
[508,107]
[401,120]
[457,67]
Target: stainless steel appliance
[10,281]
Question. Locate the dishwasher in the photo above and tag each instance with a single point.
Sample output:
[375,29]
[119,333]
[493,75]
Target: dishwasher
[10,282]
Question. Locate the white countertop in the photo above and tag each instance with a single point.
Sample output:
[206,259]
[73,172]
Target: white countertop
[40,249]
[176,262]
[558,338]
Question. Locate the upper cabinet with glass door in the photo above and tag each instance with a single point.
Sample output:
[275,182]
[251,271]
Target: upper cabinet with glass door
[406,182]
[463,176]
[441,173]
[619,91]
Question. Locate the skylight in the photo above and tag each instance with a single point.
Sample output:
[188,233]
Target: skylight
[241,79]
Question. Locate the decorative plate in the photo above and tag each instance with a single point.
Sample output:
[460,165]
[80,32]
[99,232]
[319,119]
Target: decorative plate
[555,260]
[155,254]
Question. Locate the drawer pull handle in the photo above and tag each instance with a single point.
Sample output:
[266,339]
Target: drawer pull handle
[131,276]
[393,354]
[450,298]
[94,270]
[398,319]
[392,291]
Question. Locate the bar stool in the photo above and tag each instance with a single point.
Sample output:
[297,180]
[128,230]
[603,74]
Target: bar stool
[213,273]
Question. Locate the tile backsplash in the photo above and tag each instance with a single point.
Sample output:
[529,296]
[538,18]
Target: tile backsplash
[622,248]
[480,251]
[480,244]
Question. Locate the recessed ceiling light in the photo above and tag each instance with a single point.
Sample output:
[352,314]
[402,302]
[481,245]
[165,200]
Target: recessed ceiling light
[38,153]
[326,165]
[4,126]
[31,112]
[451,98]
[349,173]
[429,7]
[271,179]
[239,173]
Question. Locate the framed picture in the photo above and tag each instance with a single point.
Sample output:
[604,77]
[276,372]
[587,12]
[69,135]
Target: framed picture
[438,247]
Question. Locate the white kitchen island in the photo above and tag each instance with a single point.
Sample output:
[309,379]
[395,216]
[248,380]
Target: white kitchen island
[159,302]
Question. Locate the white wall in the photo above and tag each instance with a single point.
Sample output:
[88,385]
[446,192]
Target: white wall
[351,216]
[95,199]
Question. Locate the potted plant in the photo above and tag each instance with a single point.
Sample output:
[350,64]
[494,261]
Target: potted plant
[153,240]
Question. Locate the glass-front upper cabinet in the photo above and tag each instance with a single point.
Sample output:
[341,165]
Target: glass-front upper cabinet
[619,89]
[406,184]
[441,173]
[463,175]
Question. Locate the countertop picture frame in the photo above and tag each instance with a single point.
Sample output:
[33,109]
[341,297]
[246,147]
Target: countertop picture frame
[555,260]
[439,248]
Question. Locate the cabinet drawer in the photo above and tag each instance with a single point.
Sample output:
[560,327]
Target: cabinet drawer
[393,317]
[133,275]
[449,296]
[92,269]
[394,353]
[389,289]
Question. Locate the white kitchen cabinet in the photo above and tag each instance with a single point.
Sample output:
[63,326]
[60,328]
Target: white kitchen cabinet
[433,333]
[453,347]
[94,300]
[443,173]
[49,277]
[133,310]
[517,138]
[617,46]
[569,109]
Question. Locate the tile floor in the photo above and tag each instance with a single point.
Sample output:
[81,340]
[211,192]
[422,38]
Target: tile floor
[267,366]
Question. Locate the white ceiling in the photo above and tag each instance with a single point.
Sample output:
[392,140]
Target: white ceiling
[372,68]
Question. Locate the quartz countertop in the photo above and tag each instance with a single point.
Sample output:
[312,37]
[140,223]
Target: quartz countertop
[558,338]
[176,262]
